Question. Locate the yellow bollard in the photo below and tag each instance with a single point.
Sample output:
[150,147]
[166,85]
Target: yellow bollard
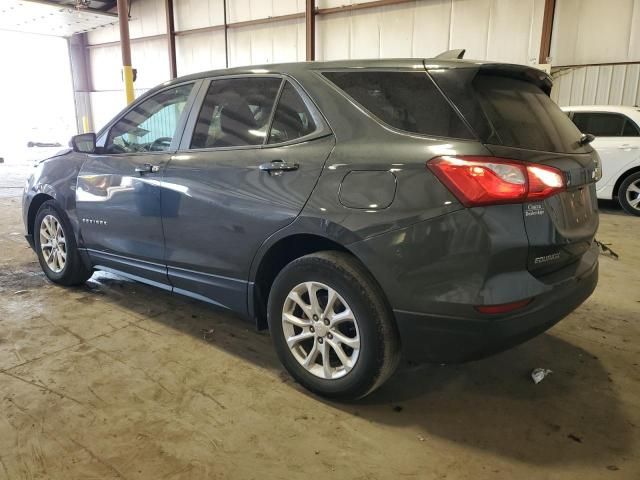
[128,83]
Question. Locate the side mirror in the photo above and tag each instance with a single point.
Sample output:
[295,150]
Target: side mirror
[84,143]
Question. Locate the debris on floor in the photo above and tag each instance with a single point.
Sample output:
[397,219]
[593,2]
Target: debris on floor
[605,250]
[575,438]
[538,374]
[207,334]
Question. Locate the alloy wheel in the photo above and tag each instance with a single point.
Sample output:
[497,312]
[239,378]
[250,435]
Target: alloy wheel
[53,243]
[633,194]
[321,330]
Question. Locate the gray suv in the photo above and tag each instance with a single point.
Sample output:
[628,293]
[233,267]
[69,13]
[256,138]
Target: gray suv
[444,209]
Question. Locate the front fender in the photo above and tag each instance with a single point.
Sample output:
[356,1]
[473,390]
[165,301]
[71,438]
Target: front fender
[54,178]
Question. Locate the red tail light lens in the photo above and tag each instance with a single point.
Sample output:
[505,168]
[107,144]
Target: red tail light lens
[479,181]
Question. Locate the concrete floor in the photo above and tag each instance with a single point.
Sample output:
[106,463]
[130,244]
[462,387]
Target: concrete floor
[118,380]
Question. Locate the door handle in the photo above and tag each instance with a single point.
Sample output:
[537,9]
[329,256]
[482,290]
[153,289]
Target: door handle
[628,146]
[148,168]
[278,166]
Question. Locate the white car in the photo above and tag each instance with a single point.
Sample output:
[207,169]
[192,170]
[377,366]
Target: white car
[617,132]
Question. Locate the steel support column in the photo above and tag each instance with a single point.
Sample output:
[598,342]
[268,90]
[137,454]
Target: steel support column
[81,76]
[310,20]
[547,30]
[171,38]
[226,34]
[125,46]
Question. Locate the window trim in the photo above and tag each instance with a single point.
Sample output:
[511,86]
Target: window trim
[322,127]
[382,123]
[606,112]
[104,132]
[634,125]
[315,116]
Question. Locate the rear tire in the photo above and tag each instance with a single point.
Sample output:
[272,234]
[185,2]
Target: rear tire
[56,247]
[629,194]
[350,323]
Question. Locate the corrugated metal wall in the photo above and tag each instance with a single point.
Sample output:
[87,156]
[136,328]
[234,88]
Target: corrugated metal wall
[148,56]
[506,30]
[597,85]
[596,32]
[502,30]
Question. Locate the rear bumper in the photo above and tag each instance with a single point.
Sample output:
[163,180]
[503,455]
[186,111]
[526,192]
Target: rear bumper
[456,339]
[434,272]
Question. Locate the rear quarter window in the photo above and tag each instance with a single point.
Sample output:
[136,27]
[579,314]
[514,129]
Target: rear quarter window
[407,101]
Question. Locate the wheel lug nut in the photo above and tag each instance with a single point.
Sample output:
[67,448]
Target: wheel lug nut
[315,317]
[320,340]
[312,330]
[329,336]
[326,321]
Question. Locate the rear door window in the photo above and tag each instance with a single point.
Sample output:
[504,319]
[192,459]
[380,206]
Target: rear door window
[408,101]
[236,112]
[605,124]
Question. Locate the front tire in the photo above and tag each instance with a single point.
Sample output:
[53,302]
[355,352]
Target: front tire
[331,326]
[629,194]
[56,247]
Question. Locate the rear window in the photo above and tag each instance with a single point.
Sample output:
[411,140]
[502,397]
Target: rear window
[408,101]
[510,112]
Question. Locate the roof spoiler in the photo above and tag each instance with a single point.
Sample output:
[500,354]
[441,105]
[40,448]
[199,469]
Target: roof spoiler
[521,72]
[457,54]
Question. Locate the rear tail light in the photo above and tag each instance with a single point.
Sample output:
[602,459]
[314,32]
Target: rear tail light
[479,181]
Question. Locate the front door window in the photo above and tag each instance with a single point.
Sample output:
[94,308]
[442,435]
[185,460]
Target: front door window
[151,125]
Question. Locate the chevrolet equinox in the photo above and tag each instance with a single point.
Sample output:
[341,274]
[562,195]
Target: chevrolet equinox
[442,209]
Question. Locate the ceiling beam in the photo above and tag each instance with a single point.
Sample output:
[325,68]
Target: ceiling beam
[71,4]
